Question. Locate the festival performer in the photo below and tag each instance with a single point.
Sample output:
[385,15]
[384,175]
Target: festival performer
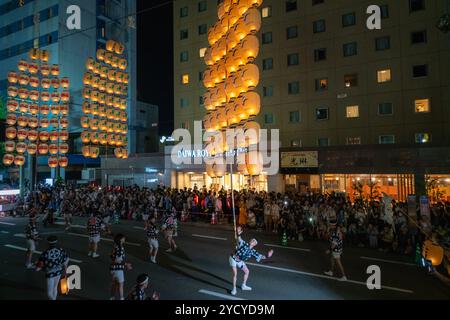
[118,266]
[169,228]
[94,226]
[32,236]
[152,236]
[138,292]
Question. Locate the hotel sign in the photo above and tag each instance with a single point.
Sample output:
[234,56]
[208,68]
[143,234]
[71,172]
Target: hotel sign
[306,159]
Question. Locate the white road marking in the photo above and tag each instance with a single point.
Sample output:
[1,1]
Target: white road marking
[5,232]
[139,228]
[7,223]
[72,225]
[291,248]
[104,239]
[20,235]
[37,252]
[326,277]
[209,237]
[390,261]
[219,295]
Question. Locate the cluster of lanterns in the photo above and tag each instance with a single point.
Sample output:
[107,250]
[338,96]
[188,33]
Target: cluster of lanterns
[37,112]
[105,102]
[231,78]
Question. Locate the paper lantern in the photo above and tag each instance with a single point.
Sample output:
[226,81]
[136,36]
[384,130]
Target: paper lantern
[13,77]
[55,109]
[45,83]
[45,96]
[90,64]
[24,79]
[64,109]
[123,64]
[101,54]
[95,137]
[12,91]
[23,107]
[34,109]
[34,54]
[94,109]
[21,147]
[10,146]
[123,104]
[22,66]
[11,119]
[95,152]
[64,123]
[86,151]
[12,105]
[63,162]
[102,98]
[44,123]
[87,78]
[45,70]
[95,82]
[112,75]
[65,83]
[32,148]
[33,135]
[54,123]
[52,162]
[53,149]
[56,97]
[55,83]
[124,153]
[43,148]
[64,135]
[54,70]
[44,109]
[33,122]
[117,102]
[102,85]
[119,48]
[8,159]
[103,138]
[44,55]
[118,152]
[44,136]
[34,82]
[85,136]
[86,93]
[110,44]
[65,96]
[22,121]
[115,62]
[93,124]
[102,125]
[97,67]
[22,134]
[85,122]
[19,160]
[63,148]
[94,95]
[34,95]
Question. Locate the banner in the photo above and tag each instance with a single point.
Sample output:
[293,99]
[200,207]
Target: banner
[424,206]
[306,159]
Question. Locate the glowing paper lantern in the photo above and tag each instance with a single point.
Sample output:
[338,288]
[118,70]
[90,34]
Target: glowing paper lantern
[94,109]
[52,162]
[85,136]
[64,123]
[53,149]
[44,55]
[13,77]
[11,133]
[23,107]
[8,159]
[45,96]
[64,135]
[65,83]
[86,151]
[19,160]
[87,78]
[86,107]
[22,134]
[54,135]
[11,119]
[33,122]
[12,91]
[34,82]
[34,109]
[21,147]
[56,97]
[65,96]
[55,83]
[63,162]
[22,66]
[34,54]
[64,109]
[43,148]
[45,70]
[63,148]
[44,136]
[24,79]
[93,124]
[90,64]
[55,109]
[33,135]
[95,152]
[34,95]
[32,148]
[54,70]
[10,146]
[86,93]
[12,105]
[45,83]
[44,123]
[54,123]
[44,109]
[85,122]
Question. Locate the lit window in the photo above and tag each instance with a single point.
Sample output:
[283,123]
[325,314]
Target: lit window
[321,84]
[423,137]
[353,140]
[202,52]
[422,105]
[384,75]
[267,12]
[296,143]
[350,80]
[352,111]
[185,78]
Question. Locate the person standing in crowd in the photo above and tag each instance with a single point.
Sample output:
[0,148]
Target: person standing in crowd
[118,266]
[336,249]
[54,262]
[94,226]
[275,213]
[138,292]
[67,214]
[32,236]
[152,237]
[267,215]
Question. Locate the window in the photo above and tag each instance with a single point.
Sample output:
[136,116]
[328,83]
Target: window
[419,37]
[351,80]
[385,109]
[202,29]
[422,105]
[321,84]
[350,49]
[294,116]
[267,37]
[292,59]
[202,52]
[352,112]
[296,143]
[202,6]
[321,113]
[420,71]
[267,12]
[185,79]
[384,75]
[384,11]
[353,140]
[422,137]
[267,64]
[323,142]
[184,12]
[416,5]
[294,87]
[386,139]
[200,76]
[268,118]
[184,34]
[184,56]
[382,43]
[201,101]
[292,32]
[319,26]
[268,91]
[320,54]
[349,19]
[184,102]
[314,2]
[291,5]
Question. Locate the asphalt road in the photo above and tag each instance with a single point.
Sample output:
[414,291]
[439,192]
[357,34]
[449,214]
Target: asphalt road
[199,269]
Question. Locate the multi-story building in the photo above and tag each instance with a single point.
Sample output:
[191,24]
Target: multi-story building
[353,105]
[42,24]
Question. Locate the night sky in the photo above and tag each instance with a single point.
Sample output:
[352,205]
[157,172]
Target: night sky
[155,58]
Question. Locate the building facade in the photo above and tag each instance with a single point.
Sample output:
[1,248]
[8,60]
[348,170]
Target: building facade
[42,24]
[359,110]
